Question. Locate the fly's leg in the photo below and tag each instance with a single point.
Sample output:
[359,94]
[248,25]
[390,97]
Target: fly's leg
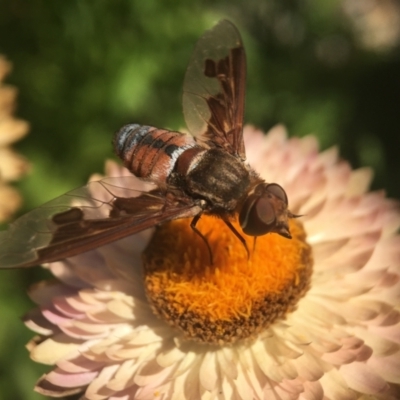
[254,243]
[239,236]
[230,226]
[195,220]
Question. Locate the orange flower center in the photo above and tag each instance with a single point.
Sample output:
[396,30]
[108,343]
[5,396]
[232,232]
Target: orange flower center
[235,297]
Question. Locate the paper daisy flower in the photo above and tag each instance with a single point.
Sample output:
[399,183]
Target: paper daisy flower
[12,165]
[315,317]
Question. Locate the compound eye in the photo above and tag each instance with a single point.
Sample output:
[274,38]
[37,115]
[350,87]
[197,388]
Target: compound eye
[263,211]
[277,191]
[257,216]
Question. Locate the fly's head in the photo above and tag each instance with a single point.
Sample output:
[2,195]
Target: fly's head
[266,211]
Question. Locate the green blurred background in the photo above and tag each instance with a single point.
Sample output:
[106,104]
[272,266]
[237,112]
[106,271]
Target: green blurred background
[84,68]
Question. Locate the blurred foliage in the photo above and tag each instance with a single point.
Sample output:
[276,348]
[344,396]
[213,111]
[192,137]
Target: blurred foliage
[85,68]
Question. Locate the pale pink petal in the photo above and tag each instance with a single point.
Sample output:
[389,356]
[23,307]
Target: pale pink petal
[362,378]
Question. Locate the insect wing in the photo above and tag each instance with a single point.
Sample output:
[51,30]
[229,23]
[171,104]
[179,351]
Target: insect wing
[86,218]
[214,89]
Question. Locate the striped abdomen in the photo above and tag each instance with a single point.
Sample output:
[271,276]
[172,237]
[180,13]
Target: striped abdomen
[149,152]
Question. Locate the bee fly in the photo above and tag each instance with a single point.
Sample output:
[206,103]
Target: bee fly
[191,175]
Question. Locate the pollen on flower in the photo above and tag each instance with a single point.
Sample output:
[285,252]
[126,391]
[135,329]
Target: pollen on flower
[236,297]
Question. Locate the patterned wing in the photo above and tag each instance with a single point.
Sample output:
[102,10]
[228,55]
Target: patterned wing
[214,89]
[87,218]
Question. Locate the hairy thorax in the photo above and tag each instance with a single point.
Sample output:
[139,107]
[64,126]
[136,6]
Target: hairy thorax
[213,175]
